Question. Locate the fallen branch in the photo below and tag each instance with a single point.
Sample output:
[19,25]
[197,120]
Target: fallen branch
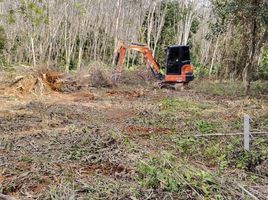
[18,79]
[230,134]
[5,197]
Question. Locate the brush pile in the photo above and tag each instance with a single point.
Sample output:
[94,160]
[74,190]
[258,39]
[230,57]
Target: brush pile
[42,80]
[27,80]
[92,77]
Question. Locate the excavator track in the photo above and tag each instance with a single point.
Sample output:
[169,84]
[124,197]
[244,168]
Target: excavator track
[176,86]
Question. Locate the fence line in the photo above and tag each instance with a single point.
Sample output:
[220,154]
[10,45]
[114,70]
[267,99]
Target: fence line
[246,133]
[230,134]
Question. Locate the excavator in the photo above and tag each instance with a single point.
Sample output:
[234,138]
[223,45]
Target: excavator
[179,70]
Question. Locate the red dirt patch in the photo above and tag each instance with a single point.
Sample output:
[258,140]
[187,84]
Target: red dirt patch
[128,94]
[107,169]
[84,96]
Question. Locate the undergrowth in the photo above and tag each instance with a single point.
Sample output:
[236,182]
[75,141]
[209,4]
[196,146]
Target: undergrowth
[168,174]
[230,88]
[224,153]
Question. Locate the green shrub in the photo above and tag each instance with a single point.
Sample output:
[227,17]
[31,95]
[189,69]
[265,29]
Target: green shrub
[205,127]
[166,174]
[174,104]
[227,88]
[263,70]
[189,146]
[3,39]
[201,72]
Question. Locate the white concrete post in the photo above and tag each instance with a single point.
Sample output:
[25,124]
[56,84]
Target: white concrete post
[246,132]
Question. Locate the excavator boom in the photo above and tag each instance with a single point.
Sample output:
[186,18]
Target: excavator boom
[151,64]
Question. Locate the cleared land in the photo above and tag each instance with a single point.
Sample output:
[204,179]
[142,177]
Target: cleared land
[132,142]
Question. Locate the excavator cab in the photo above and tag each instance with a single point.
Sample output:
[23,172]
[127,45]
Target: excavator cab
[178,65]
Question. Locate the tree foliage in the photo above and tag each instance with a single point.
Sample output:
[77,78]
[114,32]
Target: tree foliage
[246,21]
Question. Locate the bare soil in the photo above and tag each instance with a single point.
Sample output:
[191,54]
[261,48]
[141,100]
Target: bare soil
[87,144]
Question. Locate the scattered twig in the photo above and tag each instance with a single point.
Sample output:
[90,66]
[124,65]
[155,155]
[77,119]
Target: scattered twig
[258,193]
[150,195]
[248,193]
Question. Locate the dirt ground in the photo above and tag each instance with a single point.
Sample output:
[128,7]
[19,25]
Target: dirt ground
[128,142]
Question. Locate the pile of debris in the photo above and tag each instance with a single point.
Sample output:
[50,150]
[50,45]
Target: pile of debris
[27,80]
[95,76]
[37,81]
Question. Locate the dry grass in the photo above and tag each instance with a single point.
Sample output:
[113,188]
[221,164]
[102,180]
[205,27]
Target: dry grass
[128,142]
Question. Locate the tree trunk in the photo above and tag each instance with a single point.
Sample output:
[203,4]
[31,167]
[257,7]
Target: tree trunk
[49,54]
[80,54]
[213,57]
[119,6]
[150,25]
[249,68]
[67,58]
[33,52]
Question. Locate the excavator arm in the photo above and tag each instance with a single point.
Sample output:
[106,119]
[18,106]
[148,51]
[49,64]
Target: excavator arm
[151,64]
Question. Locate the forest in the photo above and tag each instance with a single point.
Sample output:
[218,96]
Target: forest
[228,39]
[68,131]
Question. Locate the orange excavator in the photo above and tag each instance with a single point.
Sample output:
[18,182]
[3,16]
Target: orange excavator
[179,70]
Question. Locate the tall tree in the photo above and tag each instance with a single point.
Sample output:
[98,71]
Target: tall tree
[249,18]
